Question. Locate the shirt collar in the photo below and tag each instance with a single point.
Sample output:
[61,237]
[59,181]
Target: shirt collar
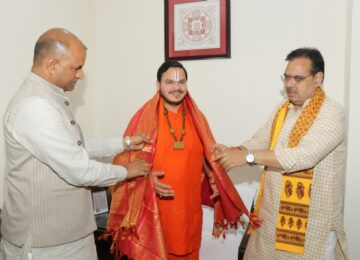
[292,107]
[53,89]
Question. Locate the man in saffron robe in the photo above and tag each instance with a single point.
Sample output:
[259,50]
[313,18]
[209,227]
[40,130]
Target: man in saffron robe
[161,217]
[179,155]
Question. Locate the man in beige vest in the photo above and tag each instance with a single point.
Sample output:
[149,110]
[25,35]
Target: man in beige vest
[302,147]
[47,213]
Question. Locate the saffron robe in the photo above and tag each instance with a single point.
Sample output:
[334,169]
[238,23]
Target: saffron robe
[134,219]
[181,215]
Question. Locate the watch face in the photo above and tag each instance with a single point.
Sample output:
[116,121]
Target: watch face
[127,141]
[250,158]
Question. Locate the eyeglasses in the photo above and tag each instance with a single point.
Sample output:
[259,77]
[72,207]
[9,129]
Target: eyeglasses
[173,82]
[297,78]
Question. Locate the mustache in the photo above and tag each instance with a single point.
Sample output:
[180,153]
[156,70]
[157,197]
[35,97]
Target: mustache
[171,102]
[291,90]
[176,91]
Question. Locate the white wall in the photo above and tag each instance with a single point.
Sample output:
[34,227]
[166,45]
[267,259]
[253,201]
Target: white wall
[129,48]
[352,210]
[125,42]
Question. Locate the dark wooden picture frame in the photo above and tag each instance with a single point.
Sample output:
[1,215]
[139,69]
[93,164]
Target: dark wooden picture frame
[197,29]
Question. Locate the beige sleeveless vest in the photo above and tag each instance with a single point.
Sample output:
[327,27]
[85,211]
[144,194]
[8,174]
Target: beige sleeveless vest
[38,203]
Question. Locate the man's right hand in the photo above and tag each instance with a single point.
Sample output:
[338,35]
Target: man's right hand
[137,142]
[137,168]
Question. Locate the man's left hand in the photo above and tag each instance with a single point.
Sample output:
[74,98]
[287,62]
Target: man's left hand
[229,158]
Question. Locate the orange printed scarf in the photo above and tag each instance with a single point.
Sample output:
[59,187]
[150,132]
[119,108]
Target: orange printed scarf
[134,221]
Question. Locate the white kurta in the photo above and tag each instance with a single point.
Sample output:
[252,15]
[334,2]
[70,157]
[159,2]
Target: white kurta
[323,147]
[48,170]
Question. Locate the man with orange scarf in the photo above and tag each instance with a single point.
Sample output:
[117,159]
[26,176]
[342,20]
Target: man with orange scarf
[302,147]
[161,217]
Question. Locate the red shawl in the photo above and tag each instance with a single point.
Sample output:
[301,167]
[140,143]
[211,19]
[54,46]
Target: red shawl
[134,220]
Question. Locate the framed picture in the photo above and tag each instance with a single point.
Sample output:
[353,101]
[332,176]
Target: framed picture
[197,29]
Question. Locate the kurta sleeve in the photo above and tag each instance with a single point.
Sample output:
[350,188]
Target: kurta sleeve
[326,133]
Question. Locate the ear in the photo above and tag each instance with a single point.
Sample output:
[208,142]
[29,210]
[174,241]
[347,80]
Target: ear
[157,85]
[319,78]
[51,65]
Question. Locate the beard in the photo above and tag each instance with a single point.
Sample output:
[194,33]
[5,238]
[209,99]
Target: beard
[172,103]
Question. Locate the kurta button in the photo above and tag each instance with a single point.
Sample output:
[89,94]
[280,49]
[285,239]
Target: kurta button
[79,143]
[67,103]
[72,122]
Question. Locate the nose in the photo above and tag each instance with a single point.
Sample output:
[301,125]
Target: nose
[289,82]
[80,74]
[177,84]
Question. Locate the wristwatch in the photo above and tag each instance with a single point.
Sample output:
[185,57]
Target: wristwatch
[250,158]
[127,142]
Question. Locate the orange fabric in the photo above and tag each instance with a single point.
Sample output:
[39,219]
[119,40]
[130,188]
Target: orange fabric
[181,216]
[134,221]
[192,256]
[134,217]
